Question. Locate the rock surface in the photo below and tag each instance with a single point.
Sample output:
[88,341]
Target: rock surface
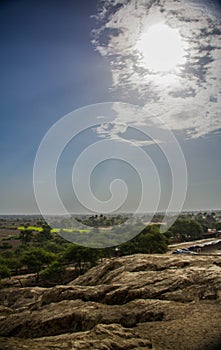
[159,302]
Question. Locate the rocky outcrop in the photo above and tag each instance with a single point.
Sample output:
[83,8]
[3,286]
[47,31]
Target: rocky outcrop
[134,302]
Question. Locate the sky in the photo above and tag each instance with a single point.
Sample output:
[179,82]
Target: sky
[140,82]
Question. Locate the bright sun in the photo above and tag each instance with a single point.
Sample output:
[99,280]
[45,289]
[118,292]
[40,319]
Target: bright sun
[162,48]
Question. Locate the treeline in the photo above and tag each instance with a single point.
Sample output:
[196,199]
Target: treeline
[49,256]
[102,220]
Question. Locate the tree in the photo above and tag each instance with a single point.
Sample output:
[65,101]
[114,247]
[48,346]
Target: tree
[149,241]
[82,257]
[184,230]
[45,234]
[152,242]
[4,272]
[14,264]
[52,246]
[195,229]
[218,226]
[130,247]
[36,258]
[53,273]
[25,236]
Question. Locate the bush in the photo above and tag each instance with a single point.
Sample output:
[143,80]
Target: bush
[4,271]
[149,241]
[82,257]
[36,258]
[184,229]
[53,272]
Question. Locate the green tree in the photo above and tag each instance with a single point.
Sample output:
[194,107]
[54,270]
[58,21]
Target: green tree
[53,247]
[25,236]
[36,258]
[152,242]
[53,273]
[44,235]
[149,241]
[82,257]
[14,264]
[185,230]
[218,226]
[130,247]
[4,272]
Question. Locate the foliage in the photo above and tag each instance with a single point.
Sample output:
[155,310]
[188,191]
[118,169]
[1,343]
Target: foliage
[46,253]
[53,272]
[25,236]
[149,241]
[4,271]
[102,220]
[80,256]
[44,235]
[36,258]
[13,263]
[218,226]
[184,230]
[51,246]
[206,220]
[2,260]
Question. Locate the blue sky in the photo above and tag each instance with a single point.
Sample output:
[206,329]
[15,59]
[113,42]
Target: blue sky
[49,67]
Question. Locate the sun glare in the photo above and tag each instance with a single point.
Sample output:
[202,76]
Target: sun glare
[162,48]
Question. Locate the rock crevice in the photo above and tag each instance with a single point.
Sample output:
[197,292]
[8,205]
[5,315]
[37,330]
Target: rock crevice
[132,302]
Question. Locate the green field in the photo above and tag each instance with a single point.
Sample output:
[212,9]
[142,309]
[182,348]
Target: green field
[54,230]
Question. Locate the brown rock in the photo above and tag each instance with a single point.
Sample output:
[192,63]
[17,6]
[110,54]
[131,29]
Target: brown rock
[134,302]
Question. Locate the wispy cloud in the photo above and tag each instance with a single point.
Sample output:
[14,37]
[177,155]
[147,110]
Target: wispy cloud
[189,99]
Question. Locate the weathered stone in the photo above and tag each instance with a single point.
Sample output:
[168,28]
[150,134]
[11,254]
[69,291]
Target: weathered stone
[101,337]
[136,302]
[17,298]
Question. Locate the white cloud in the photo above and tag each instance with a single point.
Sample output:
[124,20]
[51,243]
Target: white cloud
[189,99]
[142,143]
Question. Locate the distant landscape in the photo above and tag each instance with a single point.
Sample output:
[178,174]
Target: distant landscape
[28,245]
